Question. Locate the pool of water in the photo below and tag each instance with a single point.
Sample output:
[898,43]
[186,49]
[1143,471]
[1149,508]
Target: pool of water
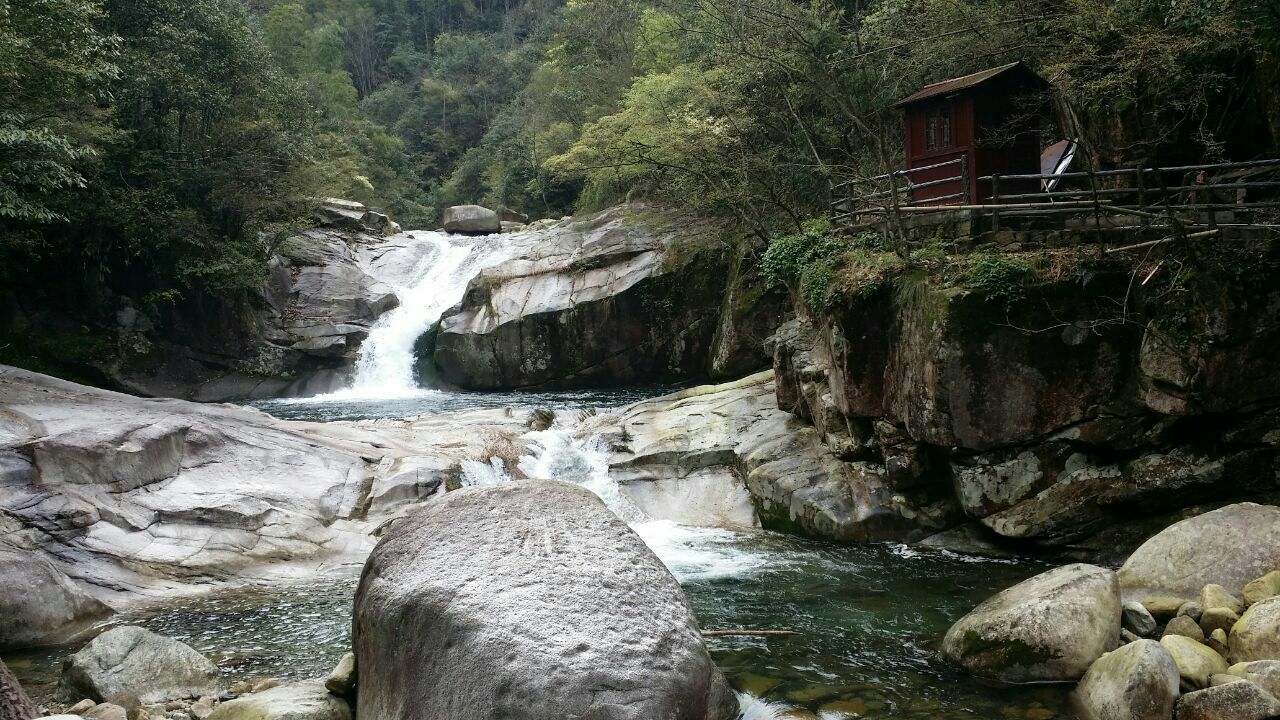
[426,402]
[869,618]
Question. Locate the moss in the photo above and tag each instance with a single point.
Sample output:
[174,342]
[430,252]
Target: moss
[1003,653]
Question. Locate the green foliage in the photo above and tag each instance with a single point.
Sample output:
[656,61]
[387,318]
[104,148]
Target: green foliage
[54,63]
[1001,279]
[806,261]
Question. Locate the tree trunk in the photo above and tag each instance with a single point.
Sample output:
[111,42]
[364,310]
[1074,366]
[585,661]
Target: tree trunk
[14,703]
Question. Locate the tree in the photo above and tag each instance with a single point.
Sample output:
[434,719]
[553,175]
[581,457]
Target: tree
[54,65]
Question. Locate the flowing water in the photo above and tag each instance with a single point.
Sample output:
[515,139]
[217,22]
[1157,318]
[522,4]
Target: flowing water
[869,617]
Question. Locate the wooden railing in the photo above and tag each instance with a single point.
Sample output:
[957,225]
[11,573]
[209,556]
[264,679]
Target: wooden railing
[864,201]
[1193,195]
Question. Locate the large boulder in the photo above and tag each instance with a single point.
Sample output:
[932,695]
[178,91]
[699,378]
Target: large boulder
[133,664]
[1232,701]
[1138,681]
[527,600]
[145,496]
[1256,635]
[1050,627]
[618,298]
[687,455]
[40,605]
[307,700]
[1230,547]
[471,220]
[1263,673]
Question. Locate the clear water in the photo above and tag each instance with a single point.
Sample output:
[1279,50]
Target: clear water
[869,619]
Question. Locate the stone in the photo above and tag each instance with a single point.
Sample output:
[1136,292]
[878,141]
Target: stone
[1184,626]
[688,453]
[471,220]
[527,599]
[266,684]
[156,497]
[1195,661]
[606,300]
[1263,673]
[1135,618]
[1264,587]
[1218,618]
[342,680]
[1221,679]
[1216,596]
[1127,636]
[1217,641]
[1256,636]
[307,700]
[1050,627]
[1229,547]
[201,709]
[1162,607]
[130,661]
[15,704]
[1192,609]
[39,603]
[105,711]
[1233,701]
[1138,681]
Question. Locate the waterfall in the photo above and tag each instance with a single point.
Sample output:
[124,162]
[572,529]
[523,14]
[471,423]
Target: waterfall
[429,272]
[384,368]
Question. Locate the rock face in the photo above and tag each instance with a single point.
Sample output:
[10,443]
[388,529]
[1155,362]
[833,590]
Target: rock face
[1257,634]
[1138,681]
[40,605]
[1050,627]
[134,663]
[147,496]
[527,600]
[1230,547]
[471,220]
[624,297]
[299,336]
[306,700]
[707,440]
[1233,701]
[1044,427]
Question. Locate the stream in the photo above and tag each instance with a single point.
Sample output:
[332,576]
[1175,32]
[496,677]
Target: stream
[870,618]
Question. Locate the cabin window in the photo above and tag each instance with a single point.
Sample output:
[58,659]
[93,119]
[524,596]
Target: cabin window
[931,132]
[944,120]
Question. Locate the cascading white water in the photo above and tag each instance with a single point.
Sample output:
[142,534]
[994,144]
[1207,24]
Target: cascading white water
[429,272]
[384,368]
[565,452]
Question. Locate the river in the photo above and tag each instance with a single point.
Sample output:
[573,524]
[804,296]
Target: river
[869,618]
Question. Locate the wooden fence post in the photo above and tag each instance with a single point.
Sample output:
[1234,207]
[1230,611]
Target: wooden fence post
[995,202]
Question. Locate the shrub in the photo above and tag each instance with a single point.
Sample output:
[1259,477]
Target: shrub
[1001,279]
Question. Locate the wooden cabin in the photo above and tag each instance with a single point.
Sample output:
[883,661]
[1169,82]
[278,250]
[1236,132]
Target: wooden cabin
[990,119]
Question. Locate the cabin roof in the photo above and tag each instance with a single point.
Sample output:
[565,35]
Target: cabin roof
[964,82]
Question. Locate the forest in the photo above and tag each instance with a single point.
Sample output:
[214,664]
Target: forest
[165,147]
